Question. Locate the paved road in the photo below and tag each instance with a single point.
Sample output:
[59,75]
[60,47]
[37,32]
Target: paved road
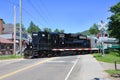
[56,68]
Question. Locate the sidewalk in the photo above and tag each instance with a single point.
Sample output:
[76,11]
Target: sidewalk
[91,69]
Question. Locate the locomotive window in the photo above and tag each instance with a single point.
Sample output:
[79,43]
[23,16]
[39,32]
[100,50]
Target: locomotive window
[74,35]
[35,39]
[82,37]
[48,36]
[61,35]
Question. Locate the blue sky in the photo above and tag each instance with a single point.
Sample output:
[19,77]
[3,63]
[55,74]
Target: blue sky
[71,15]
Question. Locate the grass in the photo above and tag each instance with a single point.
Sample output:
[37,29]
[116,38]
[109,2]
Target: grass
[111,72]
[110,57]
[5,57]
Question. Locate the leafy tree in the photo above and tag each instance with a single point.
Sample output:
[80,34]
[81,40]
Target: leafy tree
[114,23]
[94,29]
[56,30]
[33,28]
[86,32]
[47,30]
[62,31]
[37,28]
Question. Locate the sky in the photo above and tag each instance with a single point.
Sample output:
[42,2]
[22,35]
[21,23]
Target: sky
[70,15]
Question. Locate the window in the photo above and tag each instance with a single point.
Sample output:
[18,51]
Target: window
[11,46]
[2,46]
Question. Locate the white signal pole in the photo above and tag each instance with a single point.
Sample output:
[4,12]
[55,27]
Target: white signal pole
[15,30]
[102,28]
[21,27]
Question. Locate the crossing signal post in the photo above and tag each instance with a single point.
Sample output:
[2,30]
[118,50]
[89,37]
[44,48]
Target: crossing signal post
[103,29]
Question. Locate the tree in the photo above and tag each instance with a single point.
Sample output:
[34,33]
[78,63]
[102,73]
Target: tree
[114,23]
[86,32]
[94,29]
[56,30]
[47,30]
[33,28]
[62,31]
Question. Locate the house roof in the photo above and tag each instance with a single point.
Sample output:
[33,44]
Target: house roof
[2,40]
[8,28]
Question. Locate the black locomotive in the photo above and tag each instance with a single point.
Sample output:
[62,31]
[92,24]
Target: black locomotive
[55,44]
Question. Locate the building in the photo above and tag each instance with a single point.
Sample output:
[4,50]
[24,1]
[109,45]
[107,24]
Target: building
[6,46]
[6,33]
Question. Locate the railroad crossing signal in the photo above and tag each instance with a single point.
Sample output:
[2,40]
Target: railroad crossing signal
[102,26]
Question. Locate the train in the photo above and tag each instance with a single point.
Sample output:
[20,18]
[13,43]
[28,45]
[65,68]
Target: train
[47,44]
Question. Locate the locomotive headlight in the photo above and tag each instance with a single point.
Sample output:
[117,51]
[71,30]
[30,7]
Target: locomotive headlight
[35,34]
[43,35]
[30,46]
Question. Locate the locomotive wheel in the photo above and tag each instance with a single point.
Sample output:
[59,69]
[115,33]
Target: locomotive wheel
[28,54]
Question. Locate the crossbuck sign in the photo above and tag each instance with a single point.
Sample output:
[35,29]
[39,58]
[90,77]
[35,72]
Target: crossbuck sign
[102,26]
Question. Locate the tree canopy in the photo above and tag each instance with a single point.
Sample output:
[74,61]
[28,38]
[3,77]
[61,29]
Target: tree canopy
[94,29]
[56,30]
[114,23]
[60,31]
[33,28]
[47,30]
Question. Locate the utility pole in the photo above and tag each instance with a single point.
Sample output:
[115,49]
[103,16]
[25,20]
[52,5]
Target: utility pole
[15,30]
[21,27]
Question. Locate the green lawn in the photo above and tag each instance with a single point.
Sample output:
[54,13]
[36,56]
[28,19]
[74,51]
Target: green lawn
[109,57]
[4,57]
[113,71]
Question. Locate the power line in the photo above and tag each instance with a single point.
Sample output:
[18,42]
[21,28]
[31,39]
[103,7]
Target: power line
[28,13]
[46,10]
[43,18]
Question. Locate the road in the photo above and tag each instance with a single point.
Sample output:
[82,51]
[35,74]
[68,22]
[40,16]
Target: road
[56,68]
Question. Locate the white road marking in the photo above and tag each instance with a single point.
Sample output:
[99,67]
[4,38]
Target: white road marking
[72,68]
